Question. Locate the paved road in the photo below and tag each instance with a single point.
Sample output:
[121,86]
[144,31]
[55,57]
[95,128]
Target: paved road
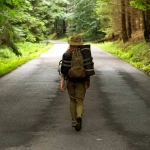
[34,115]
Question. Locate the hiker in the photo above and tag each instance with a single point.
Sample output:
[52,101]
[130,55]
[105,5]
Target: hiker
[76,87]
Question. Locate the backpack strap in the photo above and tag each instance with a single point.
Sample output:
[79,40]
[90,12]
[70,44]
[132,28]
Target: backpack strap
[60,63]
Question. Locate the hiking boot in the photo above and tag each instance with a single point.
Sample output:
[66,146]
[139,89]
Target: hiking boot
[74,123]
[79,124]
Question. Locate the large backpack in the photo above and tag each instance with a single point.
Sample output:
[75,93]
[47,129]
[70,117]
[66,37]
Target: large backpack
[77,65]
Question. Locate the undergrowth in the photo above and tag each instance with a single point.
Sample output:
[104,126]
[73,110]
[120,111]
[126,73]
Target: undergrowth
[9,61]
[137,54]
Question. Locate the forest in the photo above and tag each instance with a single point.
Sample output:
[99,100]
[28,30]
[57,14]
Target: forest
[36,20]
[97,21]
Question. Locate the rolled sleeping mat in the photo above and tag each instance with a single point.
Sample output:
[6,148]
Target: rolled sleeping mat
[88,60]
[66,63]
[89,67]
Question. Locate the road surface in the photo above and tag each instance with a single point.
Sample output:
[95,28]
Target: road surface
[34,114]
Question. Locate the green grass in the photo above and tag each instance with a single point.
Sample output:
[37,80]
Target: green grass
[137,54]
[9,61]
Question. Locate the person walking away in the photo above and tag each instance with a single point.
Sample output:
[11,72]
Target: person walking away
[76,86]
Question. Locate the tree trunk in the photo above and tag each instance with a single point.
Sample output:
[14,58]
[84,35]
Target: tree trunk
[64,26]
[56,26]
[146,27]
[123,22]
[128,12]
[147,19]
[133,19]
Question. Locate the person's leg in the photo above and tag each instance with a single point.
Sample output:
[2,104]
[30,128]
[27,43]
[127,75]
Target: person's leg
[73,111]
[76,93]
[71,92]
[80,94]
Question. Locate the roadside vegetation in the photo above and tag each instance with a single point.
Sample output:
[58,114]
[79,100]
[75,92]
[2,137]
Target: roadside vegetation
[135,53]
[9,61]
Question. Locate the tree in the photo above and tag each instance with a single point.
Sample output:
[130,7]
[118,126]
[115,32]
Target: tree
[123,22]
[7,32]
[103,12]
[144,6]
[84,20]
[29,20]
[58,17]
[128,18]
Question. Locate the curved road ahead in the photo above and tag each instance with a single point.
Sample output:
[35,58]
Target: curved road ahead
[34,115]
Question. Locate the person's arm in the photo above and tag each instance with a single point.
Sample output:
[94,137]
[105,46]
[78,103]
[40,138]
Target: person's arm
[62,83]
[88,82]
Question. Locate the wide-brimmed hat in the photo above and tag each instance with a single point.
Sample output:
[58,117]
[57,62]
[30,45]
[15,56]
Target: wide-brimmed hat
[75,40]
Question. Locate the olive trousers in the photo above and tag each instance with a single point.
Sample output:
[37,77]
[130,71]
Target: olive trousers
[76,91]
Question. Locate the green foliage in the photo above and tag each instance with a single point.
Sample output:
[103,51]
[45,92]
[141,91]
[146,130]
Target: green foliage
[9,61]
[28,20]
[83,19]
[103,12]
[5,53]
[36,20]
[140,4]
[137,54]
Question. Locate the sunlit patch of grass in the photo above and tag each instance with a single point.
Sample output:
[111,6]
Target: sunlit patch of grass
[9,61]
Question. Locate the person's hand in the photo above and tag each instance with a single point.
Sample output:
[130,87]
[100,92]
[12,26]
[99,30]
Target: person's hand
[62,84]
[88,84]
[62,87]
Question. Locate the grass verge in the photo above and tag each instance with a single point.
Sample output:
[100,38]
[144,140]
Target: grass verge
[137,54]
[9,61]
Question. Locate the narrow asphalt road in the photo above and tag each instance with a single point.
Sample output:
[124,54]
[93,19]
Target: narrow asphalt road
[34,114]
